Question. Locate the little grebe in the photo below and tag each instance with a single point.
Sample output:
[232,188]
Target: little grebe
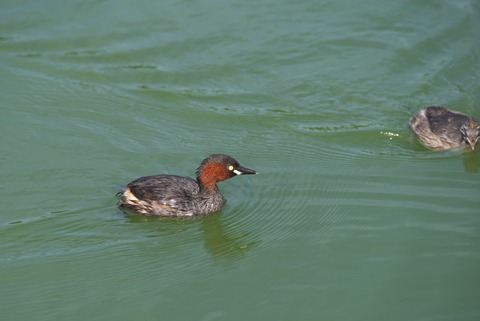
[179,196]
[440,128]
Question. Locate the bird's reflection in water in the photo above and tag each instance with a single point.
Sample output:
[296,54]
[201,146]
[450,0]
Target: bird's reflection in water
[223,241]
[471,161]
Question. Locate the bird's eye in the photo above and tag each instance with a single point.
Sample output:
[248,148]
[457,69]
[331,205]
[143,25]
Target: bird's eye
[230,168]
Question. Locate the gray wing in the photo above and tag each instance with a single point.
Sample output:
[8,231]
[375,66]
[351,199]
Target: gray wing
[445,122]
[170,190]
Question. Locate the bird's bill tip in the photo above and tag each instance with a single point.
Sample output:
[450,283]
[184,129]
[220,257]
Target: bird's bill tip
[244,171]
[472,142]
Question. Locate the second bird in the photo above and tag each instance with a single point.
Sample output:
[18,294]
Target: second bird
[440,128]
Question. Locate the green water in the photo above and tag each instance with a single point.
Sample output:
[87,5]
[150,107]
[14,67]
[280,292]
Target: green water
[350,217]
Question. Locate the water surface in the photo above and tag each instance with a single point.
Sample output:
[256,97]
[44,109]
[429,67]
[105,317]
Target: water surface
[350,217]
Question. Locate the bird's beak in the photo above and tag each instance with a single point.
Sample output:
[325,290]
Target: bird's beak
[472,143]
[240,170]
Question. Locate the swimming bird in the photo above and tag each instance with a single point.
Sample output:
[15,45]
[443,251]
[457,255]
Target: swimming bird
[180,196]
[440,128]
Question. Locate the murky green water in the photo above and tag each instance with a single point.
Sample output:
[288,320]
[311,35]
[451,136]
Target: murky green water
[350,217]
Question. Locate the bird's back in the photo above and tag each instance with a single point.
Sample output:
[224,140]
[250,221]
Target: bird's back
[163,195]
[446,122]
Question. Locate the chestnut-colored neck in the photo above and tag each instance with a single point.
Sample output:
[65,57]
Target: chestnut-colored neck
[212,173]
